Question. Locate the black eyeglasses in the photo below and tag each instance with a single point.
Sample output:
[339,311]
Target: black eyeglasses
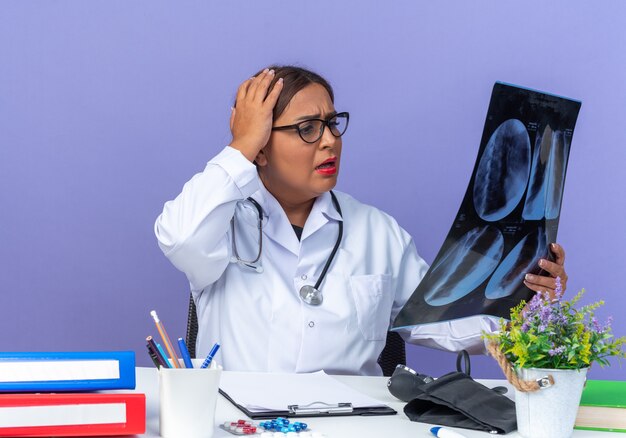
[312,130]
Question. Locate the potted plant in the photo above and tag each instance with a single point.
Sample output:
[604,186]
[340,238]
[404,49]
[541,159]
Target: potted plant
[545,351]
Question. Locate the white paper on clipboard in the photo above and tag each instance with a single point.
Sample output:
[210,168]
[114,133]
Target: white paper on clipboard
[260,392]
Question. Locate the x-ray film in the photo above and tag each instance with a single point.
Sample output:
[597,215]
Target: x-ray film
[509,215]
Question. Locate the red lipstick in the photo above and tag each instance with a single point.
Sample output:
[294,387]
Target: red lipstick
[327,167]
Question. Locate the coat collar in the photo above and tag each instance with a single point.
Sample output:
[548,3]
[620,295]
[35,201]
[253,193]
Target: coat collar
[277,226]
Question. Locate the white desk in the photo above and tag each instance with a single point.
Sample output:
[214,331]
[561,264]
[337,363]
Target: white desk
[392,426]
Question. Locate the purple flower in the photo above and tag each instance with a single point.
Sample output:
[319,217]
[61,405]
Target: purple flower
[556,351]
[534,304]
[596,325]
[607,326]
[558,290]
[545,315]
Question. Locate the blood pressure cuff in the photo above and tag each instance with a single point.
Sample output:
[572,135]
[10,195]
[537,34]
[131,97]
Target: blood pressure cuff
[457,400]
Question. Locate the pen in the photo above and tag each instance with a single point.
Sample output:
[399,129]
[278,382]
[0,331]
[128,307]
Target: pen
[160,357]
[165,338]
[209,358]
[184,353]
[153,355]
[445,433]
[162,354]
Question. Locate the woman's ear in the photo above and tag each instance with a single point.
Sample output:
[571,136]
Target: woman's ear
[232,117]
[261,158]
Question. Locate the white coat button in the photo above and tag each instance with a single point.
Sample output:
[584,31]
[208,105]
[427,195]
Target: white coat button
[304,277]
[311,324]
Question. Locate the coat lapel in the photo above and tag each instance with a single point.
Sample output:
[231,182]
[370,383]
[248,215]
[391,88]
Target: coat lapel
[276,225]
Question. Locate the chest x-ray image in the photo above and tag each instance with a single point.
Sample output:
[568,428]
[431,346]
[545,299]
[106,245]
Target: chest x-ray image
[509,215]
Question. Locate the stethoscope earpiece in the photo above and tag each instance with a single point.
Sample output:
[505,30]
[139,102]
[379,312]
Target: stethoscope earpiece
[252,264]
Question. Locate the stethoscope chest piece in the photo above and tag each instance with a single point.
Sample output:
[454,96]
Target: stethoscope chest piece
[310,295]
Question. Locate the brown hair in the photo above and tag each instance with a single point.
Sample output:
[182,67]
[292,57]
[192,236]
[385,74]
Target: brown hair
[294,80]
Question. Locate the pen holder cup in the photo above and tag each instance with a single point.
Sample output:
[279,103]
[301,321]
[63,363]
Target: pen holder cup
[187,400]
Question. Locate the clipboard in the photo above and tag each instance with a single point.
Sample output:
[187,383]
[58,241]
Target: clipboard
[255,394]
[314,409]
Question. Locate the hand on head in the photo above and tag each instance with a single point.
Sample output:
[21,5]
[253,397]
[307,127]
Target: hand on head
[286,123]
[547,283]
[251,119]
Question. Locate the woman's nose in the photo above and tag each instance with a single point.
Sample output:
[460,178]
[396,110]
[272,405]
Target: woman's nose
[328,140]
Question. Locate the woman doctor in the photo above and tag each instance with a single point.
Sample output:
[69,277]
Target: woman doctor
[297,278]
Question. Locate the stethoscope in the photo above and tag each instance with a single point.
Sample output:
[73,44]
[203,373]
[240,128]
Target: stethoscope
[309,294]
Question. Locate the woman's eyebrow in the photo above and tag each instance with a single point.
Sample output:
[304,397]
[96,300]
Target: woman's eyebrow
[312,116]
[315,116]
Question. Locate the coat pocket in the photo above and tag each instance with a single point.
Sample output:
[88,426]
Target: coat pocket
[373,299]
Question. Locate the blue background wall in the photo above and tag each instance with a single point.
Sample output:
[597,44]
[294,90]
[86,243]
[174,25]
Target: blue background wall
[108,107]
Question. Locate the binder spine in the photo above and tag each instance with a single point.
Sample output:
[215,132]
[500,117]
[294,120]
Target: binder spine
[125,380]
[135,423]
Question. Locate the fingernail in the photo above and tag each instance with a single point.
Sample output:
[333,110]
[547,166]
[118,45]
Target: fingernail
[280,80]
[553,245]
[266,70]
[529,277]
[272,72]
[542,263]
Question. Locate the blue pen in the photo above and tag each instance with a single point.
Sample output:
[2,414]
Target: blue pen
[184,353]
[445,433]
[167,362]
[209,358]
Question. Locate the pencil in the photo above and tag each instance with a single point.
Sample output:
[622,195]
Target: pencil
[166,339]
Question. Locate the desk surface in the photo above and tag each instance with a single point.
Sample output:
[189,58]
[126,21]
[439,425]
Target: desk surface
[396,426]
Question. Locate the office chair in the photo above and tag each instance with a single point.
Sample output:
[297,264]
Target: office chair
[393,354]
[192,328]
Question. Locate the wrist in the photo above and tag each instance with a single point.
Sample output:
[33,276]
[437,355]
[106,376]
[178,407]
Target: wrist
[247,151]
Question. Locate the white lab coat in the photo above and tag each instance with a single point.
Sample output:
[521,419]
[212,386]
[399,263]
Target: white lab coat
[258,318]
